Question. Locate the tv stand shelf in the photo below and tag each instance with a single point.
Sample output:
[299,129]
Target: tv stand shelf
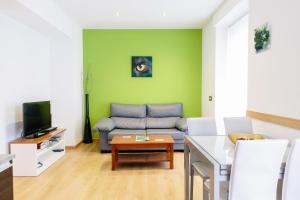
[32,161]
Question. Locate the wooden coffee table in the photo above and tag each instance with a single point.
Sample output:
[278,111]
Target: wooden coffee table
[128,142]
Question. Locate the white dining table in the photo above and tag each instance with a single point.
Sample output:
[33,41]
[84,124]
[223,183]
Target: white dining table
[217,152]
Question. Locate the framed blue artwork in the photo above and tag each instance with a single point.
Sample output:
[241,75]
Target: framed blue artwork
[141,66]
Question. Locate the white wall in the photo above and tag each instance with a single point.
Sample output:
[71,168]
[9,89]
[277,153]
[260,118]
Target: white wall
[274,74]
[208,70]
[67,87]
[24,74]
[40,39]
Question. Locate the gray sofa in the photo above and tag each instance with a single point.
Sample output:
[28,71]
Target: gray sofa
[126,119]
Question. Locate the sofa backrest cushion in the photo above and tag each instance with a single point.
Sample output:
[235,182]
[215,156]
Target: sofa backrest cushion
[129,123]
[162,122]
[164,110]
[127,110]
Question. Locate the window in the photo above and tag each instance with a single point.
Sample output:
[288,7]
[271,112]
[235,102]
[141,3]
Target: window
[231,70]
[235,98]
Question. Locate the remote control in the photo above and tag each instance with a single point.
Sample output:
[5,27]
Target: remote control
[58,150]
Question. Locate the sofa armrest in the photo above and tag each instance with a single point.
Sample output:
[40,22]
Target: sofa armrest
[181,124]
[105,124]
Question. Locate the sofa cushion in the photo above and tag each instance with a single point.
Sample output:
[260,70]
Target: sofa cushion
[127,110]
[105,124]
[163,122]
[181,124]
[176,134]
[129,123]
[164,110]
[125,132]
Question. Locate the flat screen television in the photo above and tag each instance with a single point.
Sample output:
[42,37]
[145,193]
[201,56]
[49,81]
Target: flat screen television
[36,118]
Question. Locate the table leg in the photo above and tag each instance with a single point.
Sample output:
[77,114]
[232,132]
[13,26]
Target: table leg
[171,152]
[191,191]
[113,157]
[168,152]
[186,172]
[215,183]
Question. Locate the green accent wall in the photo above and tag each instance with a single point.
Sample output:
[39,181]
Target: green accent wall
[176,68]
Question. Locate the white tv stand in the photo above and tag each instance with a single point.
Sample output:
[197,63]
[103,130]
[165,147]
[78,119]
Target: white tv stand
[31,161]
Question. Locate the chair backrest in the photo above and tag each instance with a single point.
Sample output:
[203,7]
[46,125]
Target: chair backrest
[255,170]
[238,125]
[291,182]
[201,126]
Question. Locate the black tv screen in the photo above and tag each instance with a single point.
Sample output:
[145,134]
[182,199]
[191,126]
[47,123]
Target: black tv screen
[36,117]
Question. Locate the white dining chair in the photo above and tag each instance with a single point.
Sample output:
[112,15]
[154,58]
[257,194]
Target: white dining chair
[238,125]
[291,181]
[255,169]
[200,127]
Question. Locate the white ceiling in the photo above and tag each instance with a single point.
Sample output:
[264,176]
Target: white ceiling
[140,14]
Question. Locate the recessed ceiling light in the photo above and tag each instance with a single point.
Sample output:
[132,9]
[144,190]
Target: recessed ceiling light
[117,14]
[164,13]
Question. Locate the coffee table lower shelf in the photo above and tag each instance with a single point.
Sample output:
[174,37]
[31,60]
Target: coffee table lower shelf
[152,157]
[164,142]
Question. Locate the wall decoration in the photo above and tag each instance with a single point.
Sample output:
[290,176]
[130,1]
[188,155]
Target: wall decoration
[262,38]
[141,66]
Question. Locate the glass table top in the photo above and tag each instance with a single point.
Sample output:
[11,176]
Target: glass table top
[220,148]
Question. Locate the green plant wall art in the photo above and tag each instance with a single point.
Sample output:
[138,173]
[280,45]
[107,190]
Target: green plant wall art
[262,38]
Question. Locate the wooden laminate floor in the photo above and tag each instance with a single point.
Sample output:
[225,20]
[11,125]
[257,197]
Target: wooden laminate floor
[85,174]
